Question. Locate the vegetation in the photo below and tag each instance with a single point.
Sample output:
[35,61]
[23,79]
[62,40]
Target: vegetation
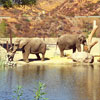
[39,21]
[3,28]
[2,62]
[38,92]
[10,3]
[18,93]
[7,3]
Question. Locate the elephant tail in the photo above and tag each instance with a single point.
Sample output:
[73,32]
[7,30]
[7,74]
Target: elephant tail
[56,45]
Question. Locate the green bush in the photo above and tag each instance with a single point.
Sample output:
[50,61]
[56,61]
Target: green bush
[10,3]
[3,32]
[28,2]
[7,3]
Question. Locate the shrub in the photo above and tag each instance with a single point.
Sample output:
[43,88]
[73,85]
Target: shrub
[3,31]
[7,3]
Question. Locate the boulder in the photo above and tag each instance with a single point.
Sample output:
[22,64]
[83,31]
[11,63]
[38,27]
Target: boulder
[82,57]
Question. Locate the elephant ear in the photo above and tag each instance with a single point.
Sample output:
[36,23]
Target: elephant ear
[23,43]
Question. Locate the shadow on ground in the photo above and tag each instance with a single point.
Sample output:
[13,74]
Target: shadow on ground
[30,60]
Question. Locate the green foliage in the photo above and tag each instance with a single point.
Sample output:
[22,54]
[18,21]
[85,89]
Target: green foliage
[28,2]
[7,3]
[3,32]
[2,62]
[39,92]
[18,92]
[27,20]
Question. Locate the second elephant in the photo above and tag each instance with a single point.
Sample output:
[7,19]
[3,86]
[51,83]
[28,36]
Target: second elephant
[30,45]
[71,41]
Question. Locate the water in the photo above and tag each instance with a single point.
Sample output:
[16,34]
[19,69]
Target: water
[67,82]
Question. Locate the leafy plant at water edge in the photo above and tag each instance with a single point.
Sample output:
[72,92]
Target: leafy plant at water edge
[18,93]
[39,92]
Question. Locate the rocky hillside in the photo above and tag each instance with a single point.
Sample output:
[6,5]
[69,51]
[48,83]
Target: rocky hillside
[48,18]
[86,8]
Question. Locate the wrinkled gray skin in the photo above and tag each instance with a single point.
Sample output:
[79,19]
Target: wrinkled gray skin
[30,45]
[70,41]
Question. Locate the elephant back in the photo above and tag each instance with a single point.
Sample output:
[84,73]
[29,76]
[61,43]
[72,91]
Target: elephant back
[37,45]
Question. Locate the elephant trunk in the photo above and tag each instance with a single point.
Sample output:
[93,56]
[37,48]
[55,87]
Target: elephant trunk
[14,51]
[10,56]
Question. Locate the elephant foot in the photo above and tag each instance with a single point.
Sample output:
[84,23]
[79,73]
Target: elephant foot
[27,61]
[42,59]
[62,56]
[39,58]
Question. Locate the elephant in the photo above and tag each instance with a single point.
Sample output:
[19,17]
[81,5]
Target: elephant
[29,46]
[71,41]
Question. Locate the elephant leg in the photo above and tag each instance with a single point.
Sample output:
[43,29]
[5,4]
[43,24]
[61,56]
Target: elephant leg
[61,53]
[42,57]
[78,48]
[38,56]
[25,57]
[74,49]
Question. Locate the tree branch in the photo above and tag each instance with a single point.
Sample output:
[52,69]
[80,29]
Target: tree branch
[89,45]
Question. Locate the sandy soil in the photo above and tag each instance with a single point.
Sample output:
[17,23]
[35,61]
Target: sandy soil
[52,57]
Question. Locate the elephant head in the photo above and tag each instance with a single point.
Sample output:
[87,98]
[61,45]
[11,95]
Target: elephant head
[82,39]
[18,44]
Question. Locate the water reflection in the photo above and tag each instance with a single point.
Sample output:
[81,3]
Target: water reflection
[70,82]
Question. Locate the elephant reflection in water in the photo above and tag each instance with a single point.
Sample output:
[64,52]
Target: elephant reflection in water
[30,45]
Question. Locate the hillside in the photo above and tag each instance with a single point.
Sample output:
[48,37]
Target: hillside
[48,18]
[86,8]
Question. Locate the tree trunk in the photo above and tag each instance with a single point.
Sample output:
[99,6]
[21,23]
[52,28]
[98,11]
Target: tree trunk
[89,45]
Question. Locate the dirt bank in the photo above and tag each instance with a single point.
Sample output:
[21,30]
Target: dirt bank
[52,57]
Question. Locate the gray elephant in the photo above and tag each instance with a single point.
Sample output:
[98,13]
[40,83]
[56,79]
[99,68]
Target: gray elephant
[71,41]
[30,45]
